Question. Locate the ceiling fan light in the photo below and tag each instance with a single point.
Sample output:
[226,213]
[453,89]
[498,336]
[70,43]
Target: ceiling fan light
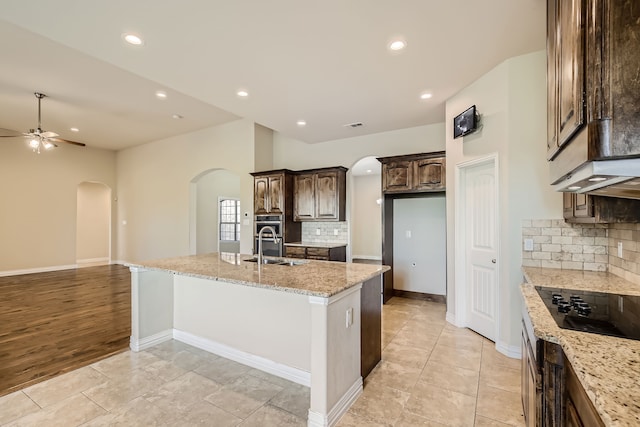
[48,145]
[34,143]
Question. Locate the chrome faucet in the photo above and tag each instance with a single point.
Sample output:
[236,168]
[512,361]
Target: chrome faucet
[276,239]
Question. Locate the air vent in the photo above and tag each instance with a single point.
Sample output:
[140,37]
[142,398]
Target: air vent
[353,125]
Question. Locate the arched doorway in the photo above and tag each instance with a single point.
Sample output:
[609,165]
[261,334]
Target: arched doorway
[366,217]
[93,224]
[214,220]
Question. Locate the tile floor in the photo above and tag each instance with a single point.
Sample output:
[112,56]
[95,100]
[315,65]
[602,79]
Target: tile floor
[432,374]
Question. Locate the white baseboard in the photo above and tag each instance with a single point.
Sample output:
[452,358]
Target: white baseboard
[316,419]
[513,351]
[150,341]
[451,318]
[37,270]
[283,371]
[80,264]
[90,262]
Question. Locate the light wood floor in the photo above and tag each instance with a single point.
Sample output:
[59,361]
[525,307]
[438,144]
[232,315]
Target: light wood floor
[56,322]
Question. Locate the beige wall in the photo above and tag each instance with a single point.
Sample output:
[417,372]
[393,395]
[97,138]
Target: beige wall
[210,188]
[366,223]
[39,202]
[293,154]
[155,187]
[512,101]
[93,223]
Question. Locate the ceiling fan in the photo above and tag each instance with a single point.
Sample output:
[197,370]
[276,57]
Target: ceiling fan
[39,139]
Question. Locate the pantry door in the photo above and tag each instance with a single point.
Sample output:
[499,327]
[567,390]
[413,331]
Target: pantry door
[479,213]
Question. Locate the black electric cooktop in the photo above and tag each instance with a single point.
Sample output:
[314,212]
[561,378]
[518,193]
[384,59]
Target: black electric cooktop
[594,312]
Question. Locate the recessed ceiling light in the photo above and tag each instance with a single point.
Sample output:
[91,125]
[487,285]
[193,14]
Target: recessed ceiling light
[597,179]
[397,45]
[132,39]
[574,187]
[177,116]
[369,171]
[160,94]
[242,93]
[74,129]
[426,95]
[301,123]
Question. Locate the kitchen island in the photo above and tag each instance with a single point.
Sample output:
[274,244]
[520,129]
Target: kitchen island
[607,367]
[301,322]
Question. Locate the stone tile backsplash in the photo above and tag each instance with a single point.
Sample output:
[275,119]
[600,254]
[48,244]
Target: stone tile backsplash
[592,247]
[557,244]
[325,232]
[627,266]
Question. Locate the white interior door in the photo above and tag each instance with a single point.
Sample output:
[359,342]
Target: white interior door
[481,242]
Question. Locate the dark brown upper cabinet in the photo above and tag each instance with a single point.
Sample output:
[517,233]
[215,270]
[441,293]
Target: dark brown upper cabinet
[592,82]
[414,173]
[320,194]
[565,68]
[272,190]
[590,209]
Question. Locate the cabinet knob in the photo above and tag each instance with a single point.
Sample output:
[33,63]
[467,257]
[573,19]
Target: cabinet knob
[493,260]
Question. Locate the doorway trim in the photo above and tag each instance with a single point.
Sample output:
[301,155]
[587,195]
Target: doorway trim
[460,270]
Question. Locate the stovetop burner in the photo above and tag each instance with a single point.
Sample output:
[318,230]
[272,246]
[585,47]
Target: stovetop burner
[593,312]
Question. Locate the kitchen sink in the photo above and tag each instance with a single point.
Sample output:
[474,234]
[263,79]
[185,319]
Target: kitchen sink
[277,261]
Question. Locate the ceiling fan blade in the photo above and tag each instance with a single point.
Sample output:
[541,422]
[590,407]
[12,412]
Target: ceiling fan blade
[49,135]
[9,133]
[81,144]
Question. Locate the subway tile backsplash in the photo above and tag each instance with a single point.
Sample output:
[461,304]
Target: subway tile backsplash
[592,247]
[325,232]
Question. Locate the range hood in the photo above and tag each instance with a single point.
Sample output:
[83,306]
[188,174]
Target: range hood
[613,178]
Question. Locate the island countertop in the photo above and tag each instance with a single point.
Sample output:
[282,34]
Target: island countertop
[607,367]
[313,278]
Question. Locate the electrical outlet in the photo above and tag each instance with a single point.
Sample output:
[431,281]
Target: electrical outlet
[528,244]
[317,231]
[335,231]
[408,234]
[619,249]
[349,317]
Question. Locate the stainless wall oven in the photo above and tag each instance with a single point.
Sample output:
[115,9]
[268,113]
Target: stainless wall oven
[269,246]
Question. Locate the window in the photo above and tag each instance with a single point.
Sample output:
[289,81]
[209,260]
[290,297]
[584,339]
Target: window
[229,220]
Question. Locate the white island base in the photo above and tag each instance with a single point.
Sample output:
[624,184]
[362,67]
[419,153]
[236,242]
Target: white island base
[310,340]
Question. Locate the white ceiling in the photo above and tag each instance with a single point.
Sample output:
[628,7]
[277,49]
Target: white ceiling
[325,62]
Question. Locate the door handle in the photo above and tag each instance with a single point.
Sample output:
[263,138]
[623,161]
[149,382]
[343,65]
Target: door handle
[493,261]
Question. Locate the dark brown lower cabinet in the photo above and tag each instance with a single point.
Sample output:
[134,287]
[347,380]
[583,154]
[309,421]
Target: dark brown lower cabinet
[321,254]
[564,401]
[370,325]
[579,411]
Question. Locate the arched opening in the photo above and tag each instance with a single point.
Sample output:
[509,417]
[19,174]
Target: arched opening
[93,224]
[365,213]
[214,217]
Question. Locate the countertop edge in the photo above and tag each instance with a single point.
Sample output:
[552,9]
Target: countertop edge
[608,408]
[283,288]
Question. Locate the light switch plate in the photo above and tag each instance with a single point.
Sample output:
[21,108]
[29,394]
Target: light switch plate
[528,244]
[619,249]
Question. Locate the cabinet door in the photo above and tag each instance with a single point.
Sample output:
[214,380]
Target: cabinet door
[304,198]
[276,194]
[326,196]
[397,176]
[318,253]
[570,72]
[552,78]
[573,419]
[583,206]
[296,251]
[429,174]
[261,195]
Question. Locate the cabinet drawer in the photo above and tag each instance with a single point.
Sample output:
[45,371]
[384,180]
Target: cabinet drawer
[318,253]
[296,251]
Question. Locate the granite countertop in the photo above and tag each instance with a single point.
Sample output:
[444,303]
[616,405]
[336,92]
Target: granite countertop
[313,278]
[607,367]
[326,245]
